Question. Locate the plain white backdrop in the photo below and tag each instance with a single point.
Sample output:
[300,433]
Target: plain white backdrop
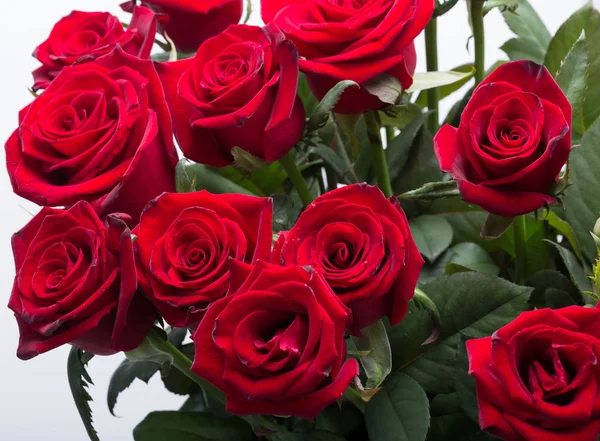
[35,400]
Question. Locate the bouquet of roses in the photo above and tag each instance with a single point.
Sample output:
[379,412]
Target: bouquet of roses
[324,263]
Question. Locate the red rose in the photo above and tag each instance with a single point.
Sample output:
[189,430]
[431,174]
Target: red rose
[513,139]
[186,243]
[76,283]
[238,91]
[193,21]
[538,378]
[356,41]
[360,242]
[84,36]
[101,132]
[276,345]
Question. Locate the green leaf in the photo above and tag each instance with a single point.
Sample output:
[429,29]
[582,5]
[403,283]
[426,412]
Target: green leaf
[464,383]
[398,412]
[572,75]
[465,306]
[585,19]
[378,362]
[563,228]
[533,36]
[473,257]
[495,226]
[79,380]
[431,80]
[125,374]
[574,267]
[400,116]
[342,419]
[306,95]
[581,201]
[285,212]
[446,90]
[191,426]
[386,87]
[503,5]
[247,161]
[176,381]
[432,234]
[321,114]
[190,176]
[553,290]
[397,151]
[313,435]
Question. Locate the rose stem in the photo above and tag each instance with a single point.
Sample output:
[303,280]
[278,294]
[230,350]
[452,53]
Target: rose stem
[297,179]
[479,36]
[433,95]
[184,364]
[379,161]
[519,230]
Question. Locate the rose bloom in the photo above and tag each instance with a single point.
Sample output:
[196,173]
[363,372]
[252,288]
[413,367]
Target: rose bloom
[186,243]
[275,345]
[359,41]
[238,91]
[101,132]
[84,36]
[538,377]
[191,22]
[76,283]
[513,139]
[361,244]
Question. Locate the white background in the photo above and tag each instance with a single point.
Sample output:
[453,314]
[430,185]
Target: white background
[35,401]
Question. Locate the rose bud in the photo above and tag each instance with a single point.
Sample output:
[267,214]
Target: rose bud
[537,378]
[238,91]
[76,283]
[186,243]
[513,139]
[191,22]
[357,41]
[101,132]
[361,244]
[84,36]
[275,344]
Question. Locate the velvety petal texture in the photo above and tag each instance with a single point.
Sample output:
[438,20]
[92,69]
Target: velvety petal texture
[352,40]
[76,283]
[276,344]
[191,22]
[238,91]
[84,36]
[101,132]
[186,243]
[538,377]
[513,139]
[360,242]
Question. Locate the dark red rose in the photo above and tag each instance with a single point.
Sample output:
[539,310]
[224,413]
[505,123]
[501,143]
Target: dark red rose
[76,283]
[238,91]
[276,344]
[186,243]
[191,22]
[101,132]
[538,378]
[84,36]
[513,139]
[361,244]
[357,41]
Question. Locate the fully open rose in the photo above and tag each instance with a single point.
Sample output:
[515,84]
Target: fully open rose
[193,21]
[101,132]
[513,139]
[238,91]
[76,283]
[361,243]
[84,36]
[186,243]
[538,377]
[359,41]
[276,345]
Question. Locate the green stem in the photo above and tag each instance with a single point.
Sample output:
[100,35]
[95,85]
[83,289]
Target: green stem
[519,229]
[479,37]
[433,95]
[379,161]
[432,191]
[332,178]
[184,364]
[389,135]
[297,179]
